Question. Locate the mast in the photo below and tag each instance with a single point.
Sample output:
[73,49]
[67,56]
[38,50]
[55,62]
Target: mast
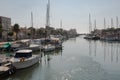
[32,24]
[104,23]
[61,24]
[95,24]
[47,20]
[90,24]
[48,14]
[117,22]
[111,22]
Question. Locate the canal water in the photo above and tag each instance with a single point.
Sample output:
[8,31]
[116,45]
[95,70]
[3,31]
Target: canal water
[80,59]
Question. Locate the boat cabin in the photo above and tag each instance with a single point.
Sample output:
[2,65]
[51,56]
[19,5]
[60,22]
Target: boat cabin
[23,53]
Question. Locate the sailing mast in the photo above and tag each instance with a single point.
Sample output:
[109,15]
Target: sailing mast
[90,24]
[32,25]
[48,14]
[48,19]
[95,24]
[117,22]
[104,23]
[61,24]
[111,22]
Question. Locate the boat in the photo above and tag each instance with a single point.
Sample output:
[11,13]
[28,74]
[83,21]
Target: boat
[35,45]
[91,37]
[6,69]
[48,48]
[32,45]
[24,58]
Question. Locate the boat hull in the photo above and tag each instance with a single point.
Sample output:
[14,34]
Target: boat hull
[26,63]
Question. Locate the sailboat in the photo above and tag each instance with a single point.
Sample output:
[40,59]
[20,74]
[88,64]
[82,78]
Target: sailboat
[92,36]
[48,47]
[33,46]
[24,58]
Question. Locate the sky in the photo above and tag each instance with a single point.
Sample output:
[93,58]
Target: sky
[73,13]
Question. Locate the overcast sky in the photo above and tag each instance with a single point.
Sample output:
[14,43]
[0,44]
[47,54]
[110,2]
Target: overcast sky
[73,13]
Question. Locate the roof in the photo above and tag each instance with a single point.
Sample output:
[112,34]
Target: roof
[24,51]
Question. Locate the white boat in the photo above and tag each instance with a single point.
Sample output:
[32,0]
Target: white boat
[24,59]
[48,48]
[34,47]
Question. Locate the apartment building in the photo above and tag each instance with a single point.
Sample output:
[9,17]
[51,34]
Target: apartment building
[6,25]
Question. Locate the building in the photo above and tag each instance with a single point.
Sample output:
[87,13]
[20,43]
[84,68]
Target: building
[5,22]
[23,33]
[72,33]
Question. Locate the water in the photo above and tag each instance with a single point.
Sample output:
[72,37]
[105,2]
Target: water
[79,60]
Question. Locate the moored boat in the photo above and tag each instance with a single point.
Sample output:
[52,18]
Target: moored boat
[48,48]
[6,69]
[34,47]
[24,59]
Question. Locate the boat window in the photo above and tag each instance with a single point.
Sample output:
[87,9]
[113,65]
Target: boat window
[26,55]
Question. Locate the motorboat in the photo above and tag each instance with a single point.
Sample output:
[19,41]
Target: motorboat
[24,58]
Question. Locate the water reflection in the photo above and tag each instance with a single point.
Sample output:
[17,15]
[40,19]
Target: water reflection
[109,50]
[95,48]
[104,51]
[48,55]
[24,74]
[80,59]
[33,72]
[117,51]
[90,47]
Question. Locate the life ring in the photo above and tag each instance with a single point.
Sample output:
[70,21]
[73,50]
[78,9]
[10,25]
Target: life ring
[22,59]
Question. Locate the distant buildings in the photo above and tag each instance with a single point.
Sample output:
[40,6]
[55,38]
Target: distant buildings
[25,33]
[5,22]
[72,33]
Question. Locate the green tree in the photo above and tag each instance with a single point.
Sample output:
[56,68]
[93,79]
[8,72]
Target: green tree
[29,34]
[41,32]
[16,30]
[10,34]
[32,32]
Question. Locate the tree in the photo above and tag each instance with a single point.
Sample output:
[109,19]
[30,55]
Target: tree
[16,30]
[41,32]
[32,32]
[10,34]
[29,34]
[1,30]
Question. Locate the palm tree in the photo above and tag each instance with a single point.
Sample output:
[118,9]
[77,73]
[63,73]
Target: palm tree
[16,30]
